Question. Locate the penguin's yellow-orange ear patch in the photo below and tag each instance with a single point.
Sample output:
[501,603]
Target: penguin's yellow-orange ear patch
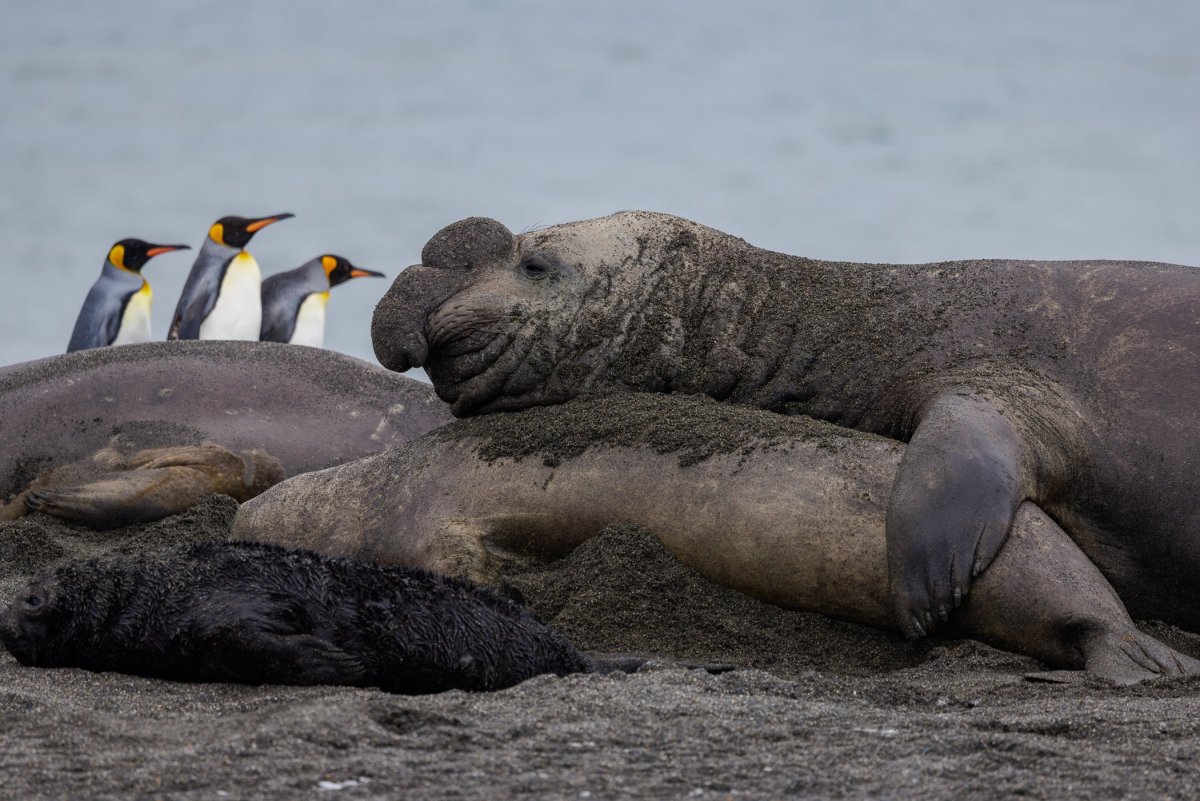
[117,256]
[217,233]
[329,263]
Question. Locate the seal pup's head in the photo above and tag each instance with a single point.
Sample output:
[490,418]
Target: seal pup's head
[37,625]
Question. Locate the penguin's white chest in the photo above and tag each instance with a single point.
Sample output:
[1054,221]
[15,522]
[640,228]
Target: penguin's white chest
[238,311]
[135,320]
[310,321]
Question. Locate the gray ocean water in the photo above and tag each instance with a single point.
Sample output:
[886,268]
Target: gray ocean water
[882,130]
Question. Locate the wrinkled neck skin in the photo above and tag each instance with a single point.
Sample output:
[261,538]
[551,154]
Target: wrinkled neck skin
[650,302]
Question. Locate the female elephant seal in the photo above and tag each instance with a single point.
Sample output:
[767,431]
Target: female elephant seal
[115,488]
[1071,384]
[309,408]
[786,509]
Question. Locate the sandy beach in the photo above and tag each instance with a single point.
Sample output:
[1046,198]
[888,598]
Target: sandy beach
[815,708]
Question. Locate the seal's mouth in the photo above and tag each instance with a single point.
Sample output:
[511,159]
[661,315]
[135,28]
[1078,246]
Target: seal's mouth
[465,360]
[407,356]
[15,640]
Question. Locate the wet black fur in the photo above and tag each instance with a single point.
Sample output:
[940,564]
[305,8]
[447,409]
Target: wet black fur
[253,613]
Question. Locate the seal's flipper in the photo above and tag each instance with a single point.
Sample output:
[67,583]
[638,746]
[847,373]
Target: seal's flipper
[180,456]
[247,653]
[138,496]
[1131,657]
[958,487]
[255,639]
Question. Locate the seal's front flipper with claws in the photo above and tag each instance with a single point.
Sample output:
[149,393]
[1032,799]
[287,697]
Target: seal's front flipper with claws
[959,484]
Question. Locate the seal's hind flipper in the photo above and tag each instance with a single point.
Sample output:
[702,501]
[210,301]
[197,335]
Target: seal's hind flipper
[1123,658]
[1132,657]
[138,496]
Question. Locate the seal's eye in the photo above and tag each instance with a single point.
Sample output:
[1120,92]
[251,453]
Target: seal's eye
[534,269]
[34,600]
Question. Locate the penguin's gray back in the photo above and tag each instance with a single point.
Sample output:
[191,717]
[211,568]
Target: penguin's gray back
[282,295]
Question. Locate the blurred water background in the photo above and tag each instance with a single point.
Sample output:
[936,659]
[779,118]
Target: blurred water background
[882,130]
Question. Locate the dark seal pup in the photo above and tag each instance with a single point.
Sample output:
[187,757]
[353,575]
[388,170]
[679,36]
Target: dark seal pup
[252,613]
[114,489]
[1071,384]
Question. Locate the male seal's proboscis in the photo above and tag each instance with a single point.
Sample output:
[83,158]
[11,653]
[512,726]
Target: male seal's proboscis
[786,509]
[1071,384]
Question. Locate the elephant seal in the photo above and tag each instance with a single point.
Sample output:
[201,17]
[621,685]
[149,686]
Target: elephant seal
[307,407]
[258,614]
[114,489]
[786,509]
[1070,384]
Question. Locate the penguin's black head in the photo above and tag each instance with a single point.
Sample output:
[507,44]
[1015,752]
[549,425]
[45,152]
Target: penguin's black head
[339,270]
[236,232]
[132,254]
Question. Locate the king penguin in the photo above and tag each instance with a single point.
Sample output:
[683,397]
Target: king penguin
[293,302]
[221,298]
[117,308]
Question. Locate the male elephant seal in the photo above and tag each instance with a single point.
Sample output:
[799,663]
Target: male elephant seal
[309,408]
[1071,384]
[258,614]
[786,509]
[114,488]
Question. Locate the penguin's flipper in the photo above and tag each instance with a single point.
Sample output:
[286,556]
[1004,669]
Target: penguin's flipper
[122,499]
[197,301]
[274,330]
[99,320]
[279,311]
[188,325]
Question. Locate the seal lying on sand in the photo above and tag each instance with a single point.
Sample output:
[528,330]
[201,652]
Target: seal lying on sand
[1071,384]
[307,407]
[114,489]
[786,509]
[258,614]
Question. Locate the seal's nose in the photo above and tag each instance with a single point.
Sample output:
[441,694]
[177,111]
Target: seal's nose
[398,327]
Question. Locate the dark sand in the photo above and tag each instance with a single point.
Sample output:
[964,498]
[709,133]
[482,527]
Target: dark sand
[817,709]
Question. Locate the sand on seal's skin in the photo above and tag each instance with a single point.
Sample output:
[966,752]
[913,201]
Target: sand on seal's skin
[821,709]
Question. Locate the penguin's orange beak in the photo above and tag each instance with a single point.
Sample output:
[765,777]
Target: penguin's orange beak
[263,222]
[357,272]
[158,250]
